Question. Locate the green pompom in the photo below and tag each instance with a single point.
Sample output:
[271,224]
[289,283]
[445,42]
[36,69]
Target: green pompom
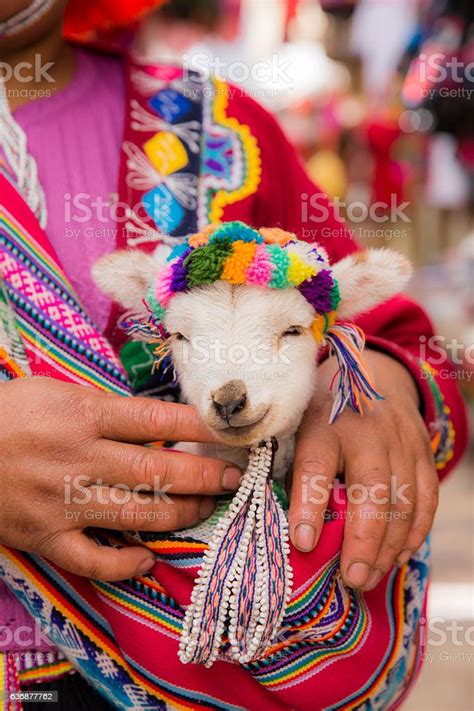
[233,231]
[204,265]
[335,296]
[157,309]
[281,261]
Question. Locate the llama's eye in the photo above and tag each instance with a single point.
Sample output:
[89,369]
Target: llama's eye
[179,336]
[292,331]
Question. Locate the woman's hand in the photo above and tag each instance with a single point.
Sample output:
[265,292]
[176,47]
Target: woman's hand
[70,458]
[389,474]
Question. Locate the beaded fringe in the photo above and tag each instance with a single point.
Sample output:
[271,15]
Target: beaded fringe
[13,145]
[243,587]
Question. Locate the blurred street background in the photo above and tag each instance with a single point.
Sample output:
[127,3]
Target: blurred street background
[378,97]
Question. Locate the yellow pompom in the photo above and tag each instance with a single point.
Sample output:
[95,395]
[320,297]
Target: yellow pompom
[321,324]
[331,317]
[318,327]
[298,271]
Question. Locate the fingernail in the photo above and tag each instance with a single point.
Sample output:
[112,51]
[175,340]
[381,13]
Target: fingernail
[206,507]
[374,579]
[146,565]
[357,574]
[231,478]
[305,537]
[404,557]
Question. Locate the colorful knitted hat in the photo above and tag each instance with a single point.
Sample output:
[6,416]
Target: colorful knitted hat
[269,258]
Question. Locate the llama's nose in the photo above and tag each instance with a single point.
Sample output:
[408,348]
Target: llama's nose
[230,399]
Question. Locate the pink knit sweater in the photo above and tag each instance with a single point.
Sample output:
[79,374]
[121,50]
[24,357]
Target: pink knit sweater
[75,137]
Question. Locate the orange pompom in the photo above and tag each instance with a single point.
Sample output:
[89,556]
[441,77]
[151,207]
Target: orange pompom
[275,235]
[235,266]
[201,238]
[198,240]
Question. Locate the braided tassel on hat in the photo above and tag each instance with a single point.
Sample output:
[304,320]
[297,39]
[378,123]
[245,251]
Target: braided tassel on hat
[355,385]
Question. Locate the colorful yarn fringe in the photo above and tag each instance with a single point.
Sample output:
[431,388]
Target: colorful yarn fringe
[354,382]
[268,258]
[244,585]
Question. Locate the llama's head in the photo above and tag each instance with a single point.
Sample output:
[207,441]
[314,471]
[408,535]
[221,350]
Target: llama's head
[244,313]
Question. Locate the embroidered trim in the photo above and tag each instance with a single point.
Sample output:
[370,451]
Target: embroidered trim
[180,188]
[442,432]
[246,169]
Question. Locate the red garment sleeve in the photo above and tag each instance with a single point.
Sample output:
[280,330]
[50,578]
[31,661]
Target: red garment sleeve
[402,329]
[287,198]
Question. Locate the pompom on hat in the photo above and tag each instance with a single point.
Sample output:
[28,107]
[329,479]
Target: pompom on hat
[268,258]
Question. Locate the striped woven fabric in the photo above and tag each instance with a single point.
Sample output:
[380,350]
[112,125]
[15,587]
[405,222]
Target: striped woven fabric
[337,649]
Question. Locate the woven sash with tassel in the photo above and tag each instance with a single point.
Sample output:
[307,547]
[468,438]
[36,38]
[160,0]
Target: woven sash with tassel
[245,581]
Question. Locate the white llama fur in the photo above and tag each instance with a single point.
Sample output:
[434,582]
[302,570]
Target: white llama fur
[235,343]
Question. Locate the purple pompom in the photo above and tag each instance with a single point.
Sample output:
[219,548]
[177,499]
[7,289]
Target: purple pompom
[317,291]
[179,280]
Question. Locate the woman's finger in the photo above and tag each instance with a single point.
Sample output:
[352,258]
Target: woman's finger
[427,488]
[400,516]
[121,509]
[315,468]
[78,554]
[151,468]
[141,420]
[367,477]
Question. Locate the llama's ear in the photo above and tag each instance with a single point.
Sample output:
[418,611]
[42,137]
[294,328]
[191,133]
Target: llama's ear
[126,276]
[369,278]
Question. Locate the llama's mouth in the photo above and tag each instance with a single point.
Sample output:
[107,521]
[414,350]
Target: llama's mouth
[240,431]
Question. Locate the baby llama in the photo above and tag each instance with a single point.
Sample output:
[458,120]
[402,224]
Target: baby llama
[243,314]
